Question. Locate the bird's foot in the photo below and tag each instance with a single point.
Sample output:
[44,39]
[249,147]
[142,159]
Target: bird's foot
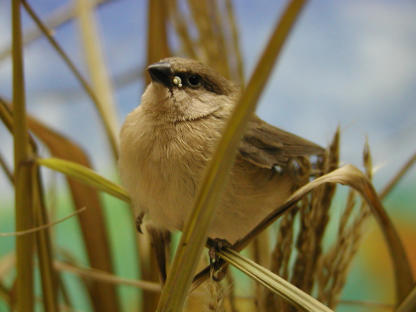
[218,270]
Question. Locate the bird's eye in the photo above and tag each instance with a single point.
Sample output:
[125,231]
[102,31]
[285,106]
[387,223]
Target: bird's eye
[194,81]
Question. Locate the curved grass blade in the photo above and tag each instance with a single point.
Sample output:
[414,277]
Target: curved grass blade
[350,175]
[347,175]
[85,175]
[195,230]
[273,282]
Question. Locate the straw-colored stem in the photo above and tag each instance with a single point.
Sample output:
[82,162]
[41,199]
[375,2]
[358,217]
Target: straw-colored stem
[78,75]
[6,170]
[235,42]
[180,23]
[387,189]
[44,247]
[23,178]
[103,276]
[98,72]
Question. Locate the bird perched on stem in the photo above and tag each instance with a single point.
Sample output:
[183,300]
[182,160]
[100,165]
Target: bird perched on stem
[167,141]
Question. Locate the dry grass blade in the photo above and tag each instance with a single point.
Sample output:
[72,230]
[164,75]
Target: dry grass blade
[181,29]
[85,175]
[57,18]
[78,75]
[6,170]
[273,282]
[44,247]
[205,15]
[387,189]
[349,175]
[239,68]
[195,230]
[22,173]
[93,227]
[409,303]
[98,275]
[42,227]
[97,69]
[157,40]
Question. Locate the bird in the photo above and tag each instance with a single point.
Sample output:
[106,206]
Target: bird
[167,141]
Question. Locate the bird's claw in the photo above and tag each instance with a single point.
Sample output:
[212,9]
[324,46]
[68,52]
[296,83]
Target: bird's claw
[218,271]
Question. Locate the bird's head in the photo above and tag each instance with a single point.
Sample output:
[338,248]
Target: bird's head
[185,90]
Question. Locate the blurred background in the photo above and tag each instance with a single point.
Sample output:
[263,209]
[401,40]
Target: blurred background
[347,63]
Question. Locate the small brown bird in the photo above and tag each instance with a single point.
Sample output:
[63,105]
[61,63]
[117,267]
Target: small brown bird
[167,141]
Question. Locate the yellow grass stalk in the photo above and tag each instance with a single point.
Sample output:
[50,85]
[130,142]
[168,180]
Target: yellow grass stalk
[195,230]
[387,189]
[157,41]
[180,23]
[101,83]
[239,67]
[88,89]
[22,173]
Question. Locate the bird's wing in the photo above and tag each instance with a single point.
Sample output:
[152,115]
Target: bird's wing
[266,146]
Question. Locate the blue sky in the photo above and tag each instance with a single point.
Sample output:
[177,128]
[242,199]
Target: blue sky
[348,63]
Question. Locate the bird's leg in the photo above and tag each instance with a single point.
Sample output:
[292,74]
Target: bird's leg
[217,270]
[160,242]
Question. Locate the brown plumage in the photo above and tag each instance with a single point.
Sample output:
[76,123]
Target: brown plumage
[167,141]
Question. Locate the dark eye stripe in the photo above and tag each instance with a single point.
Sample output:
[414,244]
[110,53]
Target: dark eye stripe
[205,82]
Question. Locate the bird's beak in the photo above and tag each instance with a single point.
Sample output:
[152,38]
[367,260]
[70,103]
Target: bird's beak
[161,72]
